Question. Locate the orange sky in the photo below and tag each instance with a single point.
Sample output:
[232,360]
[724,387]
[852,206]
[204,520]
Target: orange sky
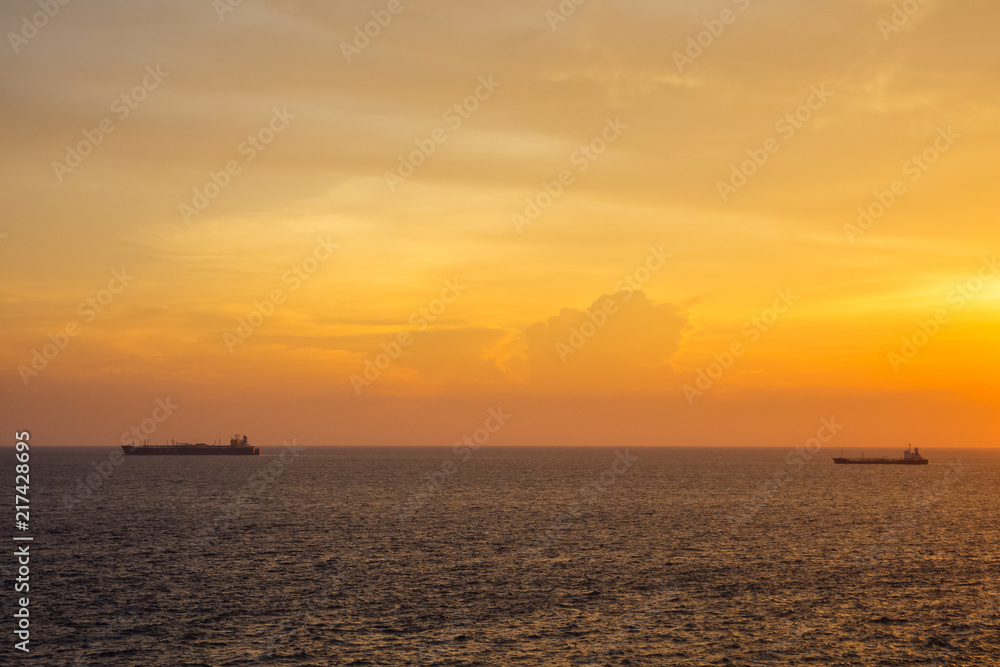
[458,191]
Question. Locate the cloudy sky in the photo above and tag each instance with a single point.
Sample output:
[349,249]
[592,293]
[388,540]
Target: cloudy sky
[774,211]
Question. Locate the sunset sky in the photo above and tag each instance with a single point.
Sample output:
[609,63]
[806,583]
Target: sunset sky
[382,188]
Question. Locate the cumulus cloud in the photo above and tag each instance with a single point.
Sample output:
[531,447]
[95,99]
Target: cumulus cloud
[622,342]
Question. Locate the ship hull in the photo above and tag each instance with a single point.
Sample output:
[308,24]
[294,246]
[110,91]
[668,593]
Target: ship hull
[190,451]
[898,462]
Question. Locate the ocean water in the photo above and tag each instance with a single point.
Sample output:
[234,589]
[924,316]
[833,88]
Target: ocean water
[513,556]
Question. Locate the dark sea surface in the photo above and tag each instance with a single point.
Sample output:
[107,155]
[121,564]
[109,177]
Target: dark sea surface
[516,556]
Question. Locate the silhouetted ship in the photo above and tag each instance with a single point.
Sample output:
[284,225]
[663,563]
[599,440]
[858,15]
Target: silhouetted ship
[909,459]
[237,447]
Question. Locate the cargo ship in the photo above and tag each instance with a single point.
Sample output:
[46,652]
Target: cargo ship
[909,458]
[237,447]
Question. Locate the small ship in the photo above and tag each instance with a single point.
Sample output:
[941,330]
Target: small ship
[909,458]
[237,447]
